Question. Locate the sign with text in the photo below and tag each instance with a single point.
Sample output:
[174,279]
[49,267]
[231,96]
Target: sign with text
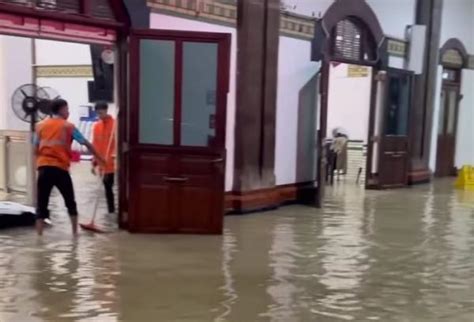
[357,71]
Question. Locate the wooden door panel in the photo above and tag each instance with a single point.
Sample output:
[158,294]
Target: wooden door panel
[445,156]
[450,154]
[393,170]
[394,144]
[154,206]
[196,213]
[448,119]
[203,179]
[201,164]
[177,176]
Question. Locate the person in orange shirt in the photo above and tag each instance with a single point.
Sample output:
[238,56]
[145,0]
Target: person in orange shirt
[104,143]
[53,158]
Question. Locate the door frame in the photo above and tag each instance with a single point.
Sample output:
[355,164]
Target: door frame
[383,120]
[323,50]
[452,56]
[131,120]
[448,86]
[324,112]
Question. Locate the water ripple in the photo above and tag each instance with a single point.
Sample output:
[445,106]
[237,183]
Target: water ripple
[401,255]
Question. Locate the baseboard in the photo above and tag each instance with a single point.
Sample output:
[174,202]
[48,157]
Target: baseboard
[243,202]
[419,176]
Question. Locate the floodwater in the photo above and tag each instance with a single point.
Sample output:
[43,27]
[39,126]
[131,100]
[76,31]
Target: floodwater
[402,255]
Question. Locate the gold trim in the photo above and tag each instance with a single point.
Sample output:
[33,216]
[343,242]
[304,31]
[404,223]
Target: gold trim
[297,26]
[66,71]
[452,57]
[291,25]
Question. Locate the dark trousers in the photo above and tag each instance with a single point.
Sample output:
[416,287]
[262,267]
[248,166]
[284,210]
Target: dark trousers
[49,177]
[109,191]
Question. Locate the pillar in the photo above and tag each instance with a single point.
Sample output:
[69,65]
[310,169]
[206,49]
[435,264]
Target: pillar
[428,12]
[257,68]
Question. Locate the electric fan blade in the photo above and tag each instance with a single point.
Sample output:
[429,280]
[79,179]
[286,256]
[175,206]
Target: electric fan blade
[23,92]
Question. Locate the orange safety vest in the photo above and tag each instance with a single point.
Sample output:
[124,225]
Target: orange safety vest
[55,138]
[102,134]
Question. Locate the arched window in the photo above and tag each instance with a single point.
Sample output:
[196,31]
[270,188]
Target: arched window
[352,41]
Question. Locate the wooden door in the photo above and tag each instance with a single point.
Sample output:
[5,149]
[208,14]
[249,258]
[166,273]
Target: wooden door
[394,139]
[179,84]
[447,126]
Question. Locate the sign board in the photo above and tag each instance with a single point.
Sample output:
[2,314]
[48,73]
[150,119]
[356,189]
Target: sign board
[357,71]
[397,47]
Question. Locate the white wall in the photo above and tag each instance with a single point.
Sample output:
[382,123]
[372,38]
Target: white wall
[15,70]
[349,102]
[295,69]
[50,52]
[458,22]
[72,89]
[160,21]
[394,16]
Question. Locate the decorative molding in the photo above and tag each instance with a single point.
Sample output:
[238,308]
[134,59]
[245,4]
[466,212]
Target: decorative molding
[64,71]
[208,10]
[299,26]
[452,57]
[397,47]
[225,12]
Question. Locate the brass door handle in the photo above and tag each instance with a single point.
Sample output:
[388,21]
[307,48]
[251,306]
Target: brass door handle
[176,179]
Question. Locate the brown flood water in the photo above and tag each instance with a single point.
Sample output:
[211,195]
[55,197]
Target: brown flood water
[404,255]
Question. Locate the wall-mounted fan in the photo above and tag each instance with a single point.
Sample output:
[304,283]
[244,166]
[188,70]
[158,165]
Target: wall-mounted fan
[31,103]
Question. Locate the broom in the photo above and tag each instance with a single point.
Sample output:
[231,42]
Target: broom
[91,226]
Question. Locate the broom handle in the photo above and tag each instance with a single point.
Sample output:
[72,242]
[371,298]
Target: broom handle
[101,176]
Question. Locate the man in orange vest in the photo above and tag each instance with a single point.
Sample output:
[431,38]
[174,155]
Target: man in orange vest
[53,157]
[104,143]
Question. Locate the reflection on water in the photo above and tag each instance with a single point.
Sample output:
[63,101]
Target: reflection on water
[402,255]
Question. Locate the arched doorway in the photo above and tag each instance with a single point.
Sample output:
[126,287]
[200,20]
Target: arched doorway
[350,35]
[453,58]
